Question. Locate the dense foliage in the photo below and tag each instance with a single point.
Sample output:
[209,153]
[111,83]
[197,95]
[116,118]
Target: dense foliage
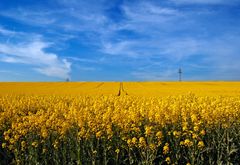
[181,129]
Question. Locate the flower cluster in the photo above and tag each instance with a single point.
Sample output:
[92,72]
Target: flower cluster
[122,129]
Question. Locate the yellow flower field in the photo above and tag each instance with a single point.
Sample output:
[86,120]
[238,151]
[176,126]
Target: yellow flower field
[152,89]
[120,123]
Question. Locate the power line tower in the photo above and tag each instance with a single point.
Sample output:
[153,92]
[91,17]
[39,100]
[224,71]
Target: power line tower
[180,74]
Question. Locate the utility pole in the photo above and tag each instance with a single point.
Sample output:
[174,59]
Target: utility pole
[180,74]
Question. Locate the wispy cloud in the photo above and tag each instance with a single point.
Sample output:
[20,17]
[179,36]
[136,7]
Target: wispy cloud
[31,17]
[178,48]
[85,60]
[148,12]
[71,16]
[4,31]
[32,52]
[133,34]
[124,48]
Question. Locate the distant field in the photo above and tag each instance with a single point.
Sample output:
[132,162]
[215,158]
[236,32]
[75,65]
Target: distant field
[125,88]
[145,123]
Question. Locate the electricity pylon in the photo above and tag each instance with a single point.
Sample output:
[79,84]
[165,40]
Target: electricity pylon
[180,74]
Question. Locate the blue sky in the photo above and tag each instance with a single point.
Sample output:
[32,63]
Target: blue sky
[131,40]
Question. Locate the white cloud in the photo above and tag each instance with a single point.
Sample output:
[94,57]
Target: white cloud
[32,17]
[60,70]
[149,13]
[125,48]
[72,16]
[146,29]
[174,49]
[33,53]
[146,20]
[4,31]
[215,59]
[85,60]
[179,48]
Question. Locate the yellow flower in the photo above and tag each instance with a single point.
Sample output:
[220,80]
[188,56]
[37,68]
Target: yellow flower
[55,144]
[12,141]
[10,147]
[176,134]
[200,144]
[188,143]
[134,140]
[98,134]
[194,136]
[159,135]
[152,146]
[195,128]
[35,144]
[148,130]
[117,151]
[168,160]
[4,145]
[159,143]
[166,148]
[203,132]
[16,137]
[142,142]
[44,133]
[184,128]
[182,143]
[194,117]
[23,144]
[129,142]
[6,137]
